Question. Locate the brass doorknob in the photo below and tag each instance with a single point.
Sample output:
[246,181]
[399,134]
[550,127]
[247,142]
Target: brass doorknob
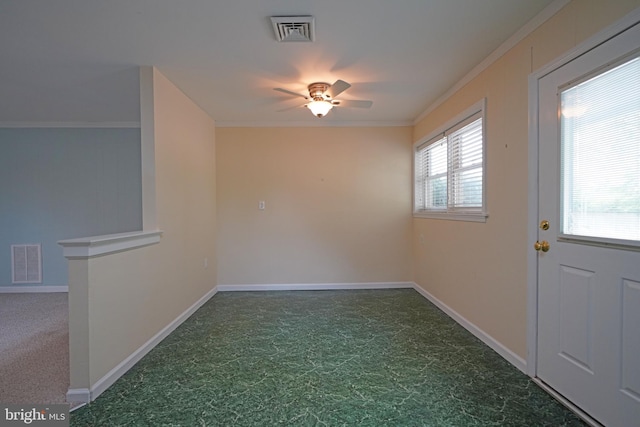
[541,246]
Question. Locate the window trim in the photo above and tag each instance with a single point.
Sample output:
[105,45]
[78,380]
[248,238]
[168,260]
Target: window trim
[458,214]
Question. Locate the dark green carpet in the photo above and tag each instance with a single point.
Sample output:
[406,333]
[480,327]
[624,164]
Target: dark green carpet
[325,358]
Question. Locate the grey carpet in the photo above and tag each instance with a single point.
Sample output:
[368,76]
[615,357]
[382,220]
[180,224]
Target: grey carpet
[34,348]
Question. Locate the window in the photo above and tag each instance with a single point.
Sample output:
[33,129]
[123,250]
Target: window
[449,170]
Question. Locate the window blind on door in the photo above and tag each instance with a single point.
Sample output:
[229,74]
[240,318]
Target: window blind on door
[600,145]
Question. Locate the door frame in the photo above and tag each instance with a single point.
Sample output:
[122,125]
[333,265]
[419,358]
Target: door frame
[604,35]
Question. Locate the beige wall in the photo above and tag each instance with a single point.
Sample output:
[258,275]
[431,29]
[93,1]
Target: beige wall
[479,270]
[338,205]
[132,295]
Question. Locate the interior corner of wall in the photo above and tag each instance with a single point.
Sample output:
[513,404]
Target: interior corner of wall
[147,147]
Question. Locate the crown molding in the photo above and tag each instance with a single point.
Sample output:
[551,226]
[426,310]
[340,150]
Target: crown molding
[313,123]
[121,125]
[516,38]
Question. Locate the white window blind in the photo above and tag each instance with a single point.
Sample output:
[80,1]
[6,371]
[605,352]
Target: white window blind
[449,170]
[433,175]
[465,166]
[600,138]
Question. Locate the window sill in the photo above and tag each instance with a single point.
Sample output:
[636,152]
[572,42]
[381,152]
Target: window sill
[454,216]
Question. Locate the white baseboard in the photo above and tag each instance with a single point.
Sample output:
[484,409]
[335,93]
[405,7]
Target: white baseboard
[503,351]
[507,354]
[73,406]
[18,289]
[82,395]
[88,395]
[112,376]
[315,286]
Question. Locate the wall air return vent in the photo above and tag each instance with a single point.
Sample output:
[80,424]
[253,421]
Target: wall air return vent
[293,28]
[26,264]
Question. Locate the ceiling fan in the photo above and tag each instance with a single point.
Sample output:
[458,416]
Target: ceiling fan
[322,98]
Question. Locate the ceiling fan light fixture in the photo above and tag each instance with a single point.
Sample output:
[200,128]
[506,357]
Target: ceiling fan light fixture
[319,108]
[322,97]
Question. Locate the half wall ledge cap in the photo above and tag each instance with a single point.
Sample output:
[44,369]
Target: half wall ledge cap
[88,247]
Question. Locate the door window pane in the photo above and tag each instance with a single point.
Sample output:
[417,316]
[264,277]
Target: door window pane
[600,148]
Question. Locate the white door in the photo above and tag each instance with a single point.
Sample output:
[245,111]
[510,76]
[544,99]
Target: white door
[588,346]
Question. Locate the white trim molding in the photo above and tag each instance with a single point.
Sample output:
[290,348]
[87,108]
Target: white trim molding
[312,123]
[51,125]
[452,216]
[88,247]
[498,347]
[89,395]
[81,395]
[315,286]
[32,289]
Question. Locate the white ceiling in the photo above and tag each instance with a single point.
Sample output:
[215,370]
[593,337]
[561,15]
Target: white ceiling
[76,60]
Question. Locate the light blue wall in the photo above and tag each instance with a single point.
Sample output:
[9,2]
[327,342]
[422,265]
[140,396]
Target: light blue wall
[62,183]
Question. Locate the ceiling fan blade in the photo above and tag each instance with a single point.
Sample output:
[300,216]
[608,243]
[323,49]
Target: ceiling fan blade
[291,108]
[288,92]
[337,88]
[352,103]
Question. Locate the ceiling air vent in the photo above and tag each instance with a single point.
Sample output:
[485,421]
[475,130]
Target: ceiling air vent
[293,28]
